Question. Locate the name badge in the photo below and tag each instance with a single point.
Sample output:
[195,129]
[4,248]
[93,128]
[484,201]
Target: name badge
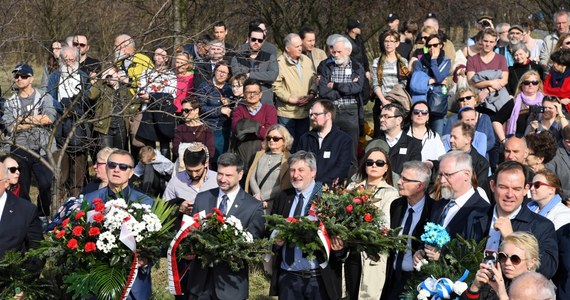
[403,151]
[348,72]
[327,154]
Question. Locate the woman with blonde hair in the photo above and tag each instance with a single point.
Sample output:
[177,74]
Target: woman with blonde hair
[184,69]
[518,254]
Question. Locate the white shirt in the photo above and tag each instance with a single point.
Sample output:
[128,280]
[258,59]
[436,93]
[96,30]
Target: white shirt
[459,202]
[3,199]
[408,262]
[393,142]
[494,235]
[231,198]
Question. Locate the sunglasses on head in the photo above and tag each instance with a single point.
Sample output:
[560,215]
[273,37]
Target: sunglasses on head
[538,184]
[187,110]
[256,40]
[273,138]
[13,169]
[529,82]
[79,44]
[379,163]
[515,259]
[123,167]
[463,99]
[16,76]
[423,112]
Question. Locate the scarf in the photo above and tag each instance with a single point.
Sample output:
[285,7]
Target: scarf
[512,126]
[557,79]
[533,206]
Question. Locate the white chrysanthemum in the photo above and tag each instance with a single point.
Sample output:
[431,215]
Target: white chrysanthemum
[423,295]
[139,227]
[248,237]
[459,287]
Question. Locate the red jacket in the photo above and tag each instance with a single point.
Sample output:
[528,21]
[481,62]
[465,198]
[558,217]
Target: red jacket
[563,91]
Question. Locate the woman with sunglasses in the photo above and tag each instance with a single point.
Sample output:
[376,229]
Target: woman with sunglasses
[552,119]
[365,276]
[523,63]
[557,83]
[518,254]
[432,146]
[419,48]
[545,191]
[11,164]
[516,113]
[193,130]
[100,168]
[428,80]
[541,149]
[563,42]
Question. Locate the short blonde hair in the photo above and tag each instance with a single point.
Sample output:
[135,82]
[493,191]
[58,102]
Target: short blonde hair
[527,242]
[287,138]
[104,153]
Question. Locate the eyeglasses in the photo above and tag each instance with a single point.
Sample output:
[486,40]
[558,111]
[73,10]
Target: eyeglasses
[515,259]
[466,98]
[529,82]
[424,37]
[97,164]
[423,112]
[316,114]
[256,40]
[379,163]
[273,138]
[432,45]
[447,175]
[567,43]
[538,184]
[390,42]
[387,117]
[406,180]
[82,45]
[123,167]
[251,94]
[14,169]
[187,110]
[21,76]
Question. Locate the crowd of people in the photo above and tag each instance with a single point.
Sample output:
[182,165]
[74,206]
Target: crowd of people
[476,140]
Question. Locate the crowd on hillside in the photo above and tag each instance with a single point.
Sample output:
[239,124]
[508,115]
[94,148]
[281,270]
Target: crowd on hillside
[474,139]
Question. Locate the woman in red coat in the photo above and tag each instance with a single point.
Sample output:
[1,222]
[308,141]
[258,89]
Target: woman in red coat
[557,83]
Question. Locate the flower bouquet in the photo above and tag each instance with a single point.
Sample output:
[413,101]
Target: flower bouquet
[357,221]
[435,236]
[216,239]
[98,250]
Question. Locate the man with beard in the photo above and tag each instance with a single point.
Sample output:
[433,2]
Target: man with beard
[131,65]
[341,81]
[91,66]
[331,146]
[68,86]
[516,35]
[458,199]
[562,23]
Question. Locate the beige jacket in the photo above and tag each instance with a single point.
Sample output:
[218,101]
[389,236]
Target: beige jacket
[289,85]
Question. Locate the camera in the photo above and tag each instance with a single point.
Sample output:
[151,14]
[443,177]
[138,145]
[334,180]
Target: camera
[537,109]
[490,259]
[485,24]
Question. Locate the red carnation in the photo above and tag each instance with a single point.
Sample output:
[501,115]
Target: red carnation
[348,208]
[217,211]
[77,230]
[99,207]
[98,218]
[292,220]
[196,225]
[364,198]
[64,223]
[220,219]
[93,231]
[72,244]
[368,217]
[97,201]
[60,234]
[79,215]
[90,246]
[356,200]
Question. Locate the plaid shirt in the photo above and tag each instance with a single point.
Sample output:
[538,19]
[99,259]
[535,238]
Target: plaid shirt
[343,75]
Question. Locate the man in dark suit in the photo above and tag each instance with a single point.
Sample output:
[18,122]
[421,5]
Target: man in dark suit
[411,212]
[20,226]
[560,164]
[294,277]
[219,281]
[459,199]
[402,147]
[509,214]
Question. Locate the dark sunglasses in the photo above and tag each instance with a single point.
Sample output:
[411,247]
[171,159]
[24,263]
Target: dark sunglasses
[16,76]
[256,40]
[13,169]
[515,259]
[529,82]
[463,99]
[379,163]
[273,138]
[79,44]
[123,167]
[432,45]
[567,43]
[187,110]
[423,112]
[538,184]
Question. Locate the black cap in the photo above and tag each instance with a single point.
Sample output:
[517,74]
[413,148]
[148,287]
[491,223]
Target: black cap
[392,17]
[354,24]
[431,15]
[23,69]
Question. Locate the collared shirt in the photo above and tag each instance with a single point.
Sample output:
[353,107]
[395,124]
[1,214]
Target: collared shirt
[408,262]
[181,186]
[3,199]
[394,141]
[342,74]
[459,204]
[231,198]
[494,240]
[254,111]
[300,263]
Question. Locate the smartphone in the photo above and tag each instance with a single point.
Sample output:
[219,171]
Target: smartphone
[490,259]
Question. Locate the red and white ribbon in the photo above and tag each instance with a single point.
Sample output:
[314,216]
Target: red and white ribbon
[173,272]
[128,239]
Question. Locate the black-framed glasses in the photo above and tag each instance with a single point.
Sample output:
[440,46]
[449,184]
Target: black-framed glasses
[13,169]
[432,45]
[314,114]
[82,45]
[251,94]
[256,40]
[379,163]
[515,259]
[447,175]
[423,112]
[388,116]
[273,138]
[466,98]
[113,165]
[407,180]
[16,76]
[529,82]
[538,184]
[187,110]
[567,43]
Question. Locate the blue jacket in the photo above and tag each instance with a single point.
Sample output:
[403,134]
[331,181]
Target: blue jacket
[211,103]
[334,155]
[436,69]
[52,89]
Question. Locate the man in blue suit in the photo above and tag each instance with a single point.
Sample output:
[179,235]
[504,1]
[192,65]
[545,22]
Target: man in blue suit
[120,165]
[219,281]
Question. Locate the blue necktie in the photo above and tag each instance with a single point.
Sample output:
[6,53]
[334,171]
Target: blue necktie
[407,227]
[224,204]
[445,211]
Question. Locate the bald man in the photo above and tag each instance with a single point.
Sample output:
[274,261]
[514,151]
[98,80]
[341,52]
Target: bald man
[516,149]
[131,65]
[532,286]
